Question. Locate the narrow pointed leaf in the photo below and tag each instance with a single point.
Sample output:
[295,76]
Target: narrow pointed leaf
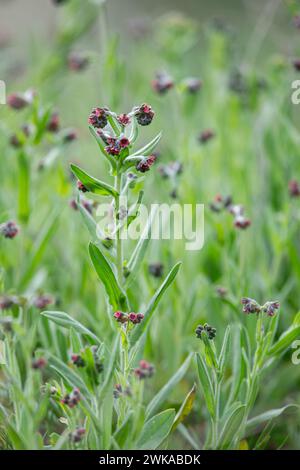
[266,416]
[285,341]
[92,184]
[231,427]
[64,320]
[141,328]
[148,148]
[206,385]
[116,296]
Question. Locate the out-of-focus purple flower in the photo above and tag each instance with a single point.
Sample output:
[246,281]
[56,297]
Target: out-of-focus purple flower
[145,370]
[162,83]
[294,188]
[144,114]
[42,301]
[9,229]
[145,165]
[78,62]
[206,136]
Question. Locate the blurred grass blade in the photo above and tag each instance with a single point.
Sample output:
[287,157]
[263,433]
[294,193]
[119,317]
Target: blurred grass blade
[140,329]
[164,393]
[92,184]
[64,320]
[39,247]
[117,298]
[185,408]
[206,385]
[23,187]
[156,430]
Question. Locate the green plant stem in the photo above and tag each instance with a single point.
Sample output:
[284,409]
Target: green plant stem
[118,186]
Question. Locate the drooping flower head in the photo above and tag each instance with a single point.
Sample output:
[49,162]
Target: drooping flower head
[98,117]
[144,114]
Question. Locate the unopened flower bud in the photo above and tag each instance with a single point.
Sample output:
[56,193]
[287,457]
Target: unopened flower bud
[145,370]
[81,187]
[162,83]
[77,62]
[77,360]
[39,363]
[209,330]
[120,317]
[156,269]
[206,135]
[53,124]
[42,301]
[17,101]
[135,318]
[294,188]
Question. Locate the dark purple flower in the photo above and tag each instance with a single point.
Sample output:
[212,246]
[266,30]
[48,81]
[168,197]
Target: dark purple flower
[144,115]
[53,124]
[77,62]
[42,301]
[294,188]
[77,435]
[7,302]
[242,222]
[156,269]
[270,308]
[9,229]
[17,101]
[192,85]
[77,360]
[135,318]
[209,330]
[70,135]
[120,317]
[81,187]
[72,399]
[206,136]
[39,363]
[123,119]
[162,83]
[250,305]
[145,165]
[98,117]
[145,370]
[296,64]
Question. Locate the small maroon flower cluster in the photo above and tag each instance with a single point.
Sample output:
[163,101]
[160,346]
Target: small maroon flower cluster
[296,64]
[77,435]
[86,203]
[123,119]
[206,135]
[118,391]
[225,203]
[77,360]
[145,164]
[72,399]
[251,306]
[144,114]
[156,269]
[77,62]
[9,229]
[17,101]
[192,84]
[145,370]
[98,117]
[81,187]
[42,301]
[8,301]
[294,188]
[39,363]
[53,123]
[132,317]
[162,83]
[115,146]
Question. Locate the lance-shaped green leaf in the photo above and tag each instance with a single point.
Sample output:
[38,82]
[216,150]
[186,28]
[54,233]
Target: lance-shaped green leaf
[284,341]
[140,329]
[148,148]
[140,250]
[156,430]
[165,391]
[23,187]
[92,184]
[253,423]
[231,427]
[101,146]
[206,385]
[64,320]
[185,408]
[116,296]
[225,350]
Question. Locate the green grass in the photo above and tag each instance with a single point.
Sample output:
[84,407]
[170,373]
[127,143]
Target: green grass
[246,384]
